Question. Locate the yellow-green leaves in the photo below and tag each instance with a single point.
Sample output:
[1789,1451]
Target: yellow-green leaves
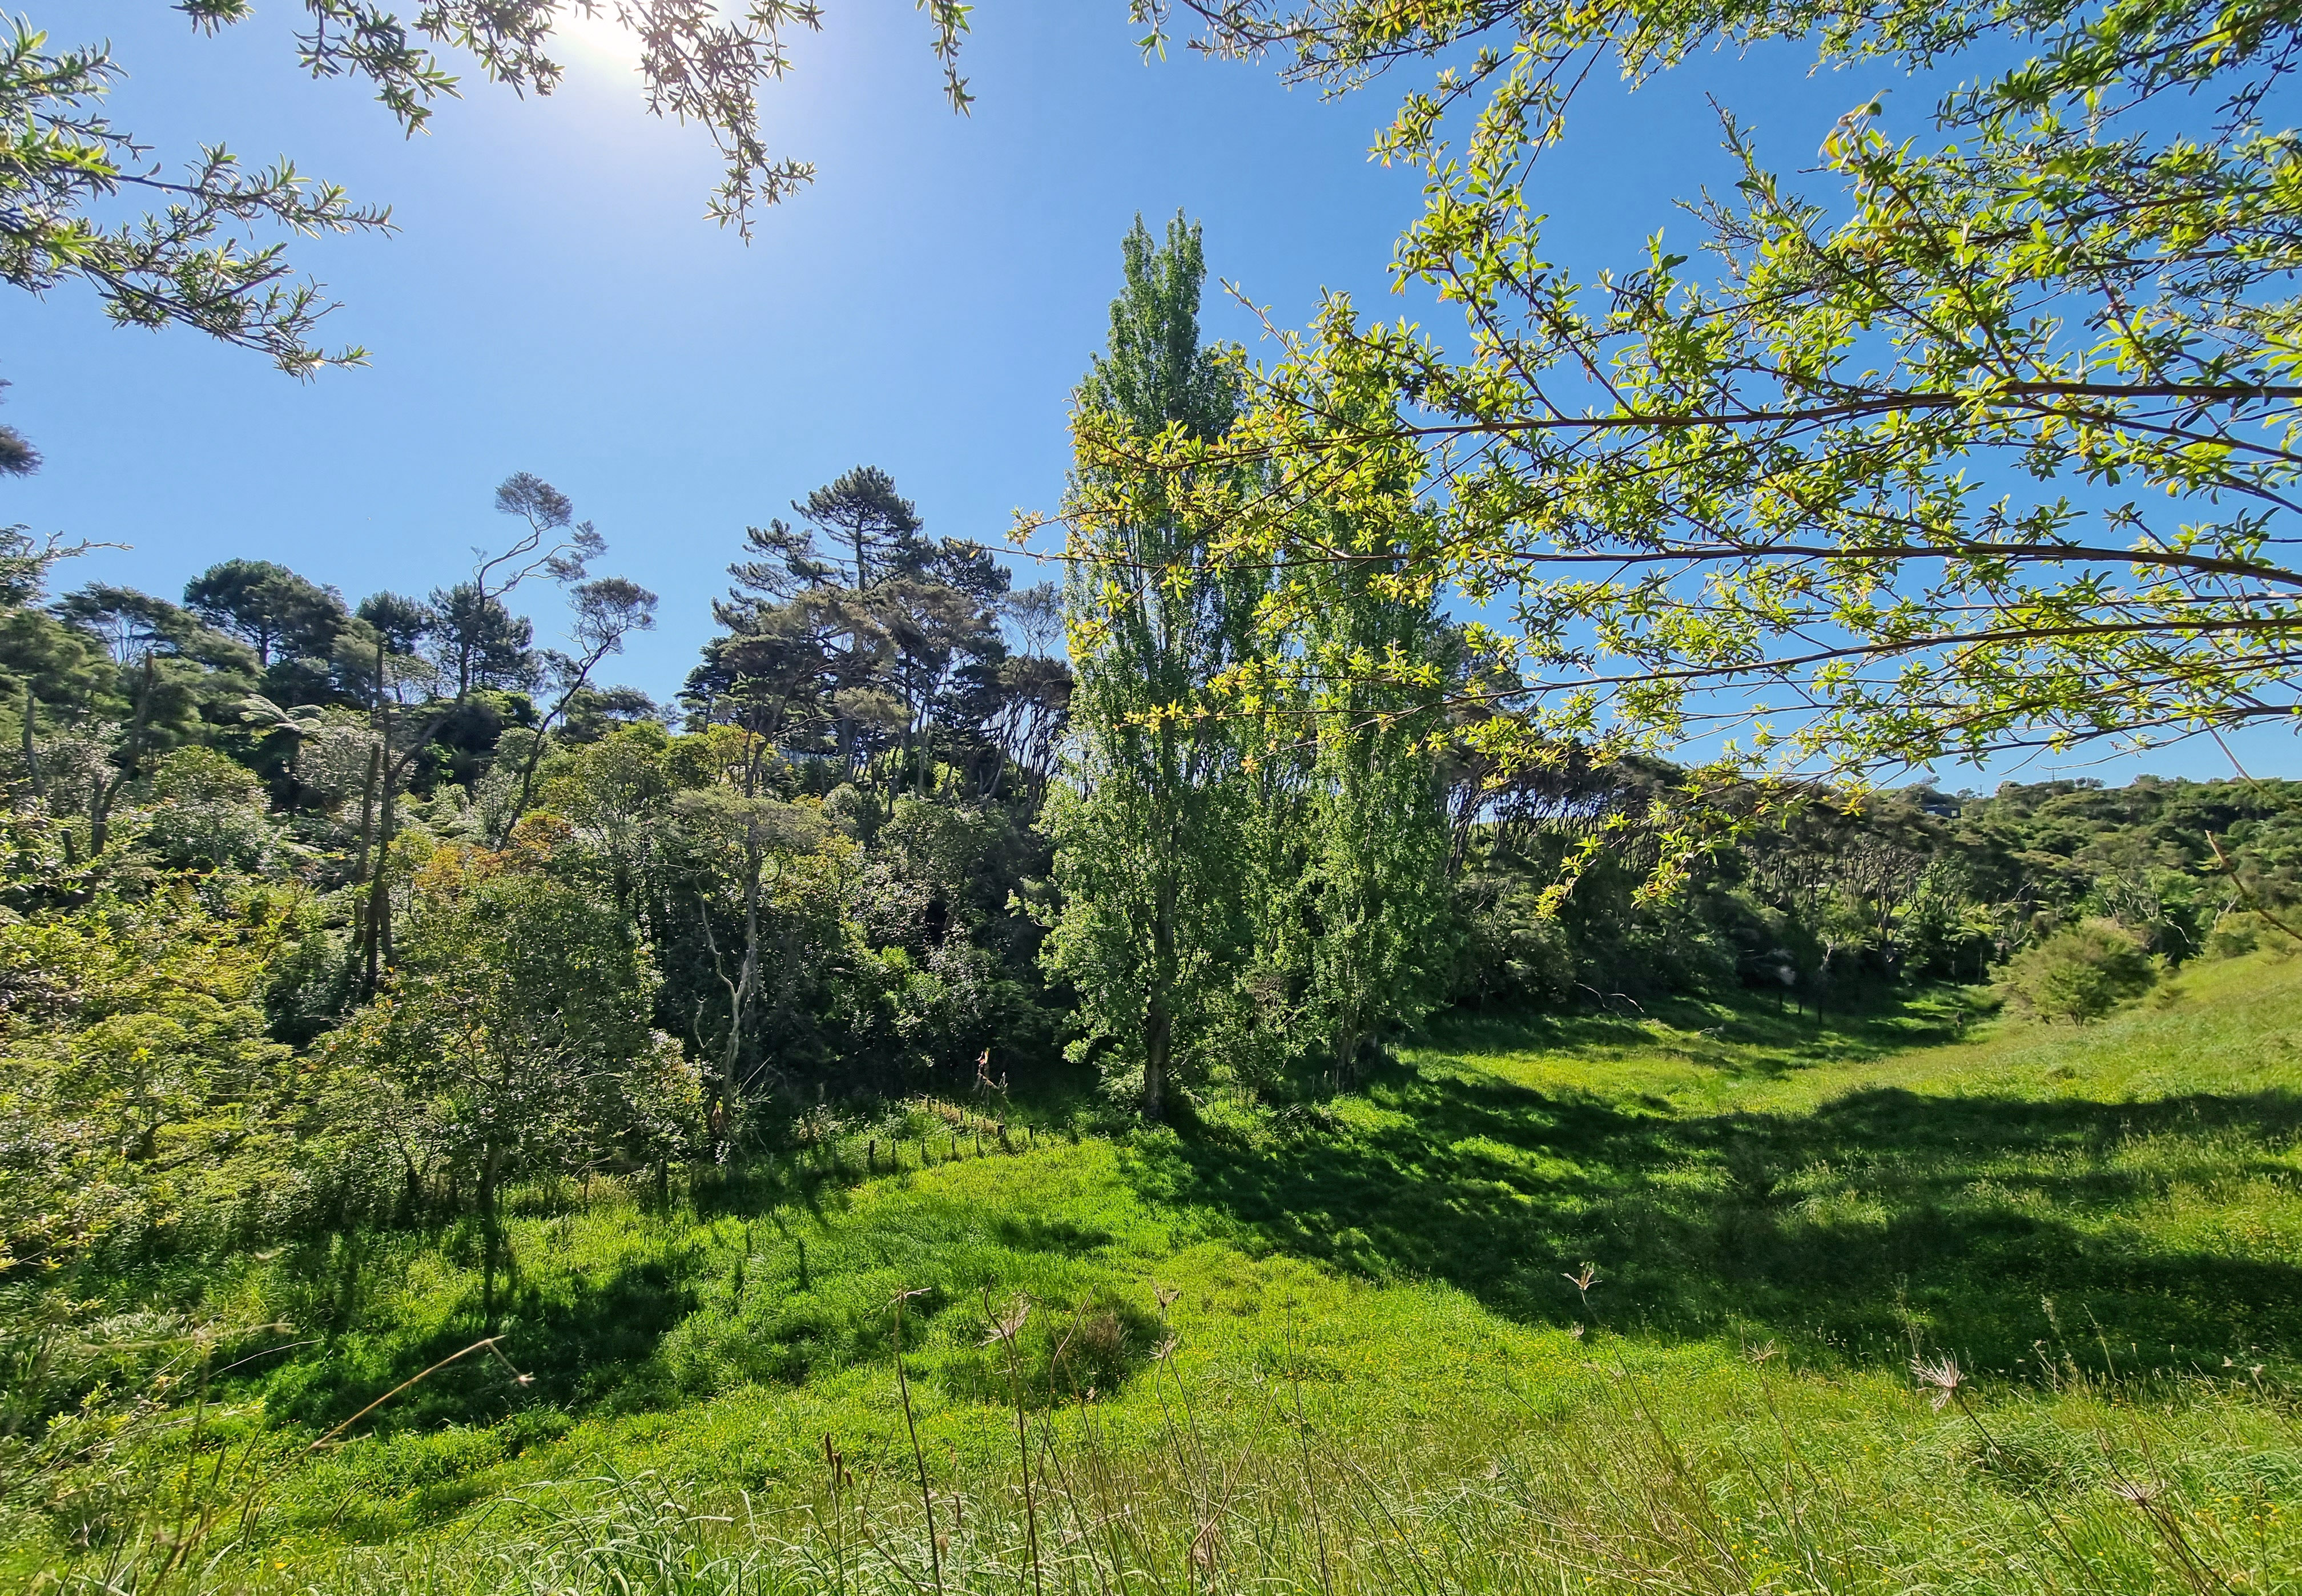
[1987,438]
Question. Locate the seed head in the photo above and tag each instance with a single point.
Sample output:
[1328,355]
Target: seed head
[1004,1328]
[1940,1379]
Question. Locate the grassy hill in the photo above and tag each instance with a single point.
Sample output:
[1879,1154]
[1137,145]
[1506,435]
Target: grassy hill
[1341,1347]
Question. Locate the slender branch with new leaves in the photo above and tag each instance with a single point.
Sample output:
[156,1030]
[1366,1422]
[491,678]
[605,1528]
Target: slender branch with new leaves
[1982,434]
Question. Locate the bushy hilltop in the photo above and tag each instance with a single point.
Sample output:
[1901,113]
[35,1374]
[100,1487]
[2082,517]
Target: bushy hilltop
[1856,891]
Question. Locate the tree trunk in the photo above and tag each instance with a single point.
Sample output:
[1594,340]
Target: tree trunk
[379,892]
[490,1166]
[747,980]
[367,810]
[1158,1032]
[1158,1016]
[31,758]
[365,921]
[99,816]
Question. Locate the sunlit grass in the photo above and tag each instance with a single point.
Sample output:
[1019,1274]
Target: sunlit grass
[2100,1226]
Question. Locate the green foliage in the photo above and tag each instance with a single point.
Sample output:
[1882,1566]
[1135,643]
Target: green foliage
[516,1029]
[1848,890]
[193,268]
[1876,490]
[2080,973]
[1353,827]
[147,1107]
[1150,821]
[210,813]
[63,668]
[878,648]
[2236,935]
[1251,842]
[268,607]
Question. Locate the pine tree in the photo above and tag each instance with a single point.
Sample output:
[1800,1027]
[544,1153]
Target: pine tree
[863,516]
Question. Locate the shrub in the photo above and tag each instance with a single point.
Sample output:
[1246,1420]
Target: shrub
[2242,931]
[210,813]
[2080,973]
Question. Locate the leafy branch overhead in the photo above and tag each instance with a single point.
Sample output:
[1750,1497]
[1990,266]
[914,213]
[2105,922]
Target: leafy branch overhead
[1982,434]
[190,259]
[208,249]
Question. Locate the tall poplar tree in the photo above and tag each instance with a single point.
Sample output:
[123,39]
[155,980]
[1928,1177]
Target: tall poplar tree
[1350,879]
[1150,820]
[1373,900]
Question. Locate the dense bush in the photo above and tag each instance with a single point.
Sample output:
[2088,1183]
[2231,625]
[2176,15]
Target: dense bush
[2081,974]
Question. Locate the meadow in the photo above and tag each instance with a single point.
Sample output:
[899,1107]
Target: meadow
[1710,1297]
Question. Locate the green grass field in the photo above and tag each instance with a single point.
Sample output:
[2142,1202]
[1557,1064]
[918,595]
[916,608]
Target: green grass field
[1336,1346]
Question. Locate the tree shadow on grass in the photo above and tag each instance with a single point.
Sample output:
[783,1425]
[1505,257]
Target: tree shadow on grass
[1839,1231]
[1752,1034]
[568,1344]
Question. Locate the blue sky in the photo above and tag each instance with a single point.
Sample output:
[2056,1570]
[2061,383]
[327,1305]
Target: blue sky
[556,303]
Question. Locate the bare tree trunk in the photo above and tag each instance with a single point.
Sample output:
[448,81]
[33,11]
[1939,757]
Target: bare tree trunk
[100,801]
[740,990]
[387,824]
[581,680]
[367,810]
[379,891]
[747,981]
[490,1167]
[31,757]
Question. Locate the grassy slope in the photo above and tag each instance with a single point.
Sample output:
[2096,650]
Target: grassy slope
[2054,1206]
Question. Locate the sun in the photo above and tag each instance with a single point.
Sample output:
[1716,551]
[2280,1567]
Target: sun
[596,40]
